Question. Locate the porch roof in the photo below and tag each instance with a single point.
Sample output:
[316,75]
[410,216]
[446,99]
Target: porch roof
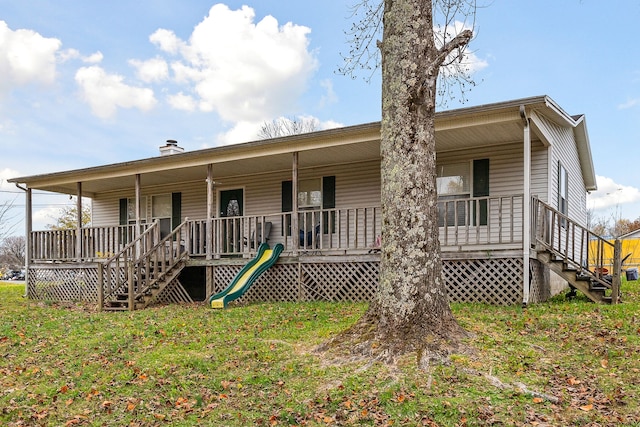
[459,129]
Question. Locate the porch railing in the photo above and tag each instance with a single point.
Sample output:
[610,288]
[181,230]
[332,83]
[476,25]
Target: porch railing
[465,224]
[575,245]
[481,221]
[97,242]
[322,230]
[142,263]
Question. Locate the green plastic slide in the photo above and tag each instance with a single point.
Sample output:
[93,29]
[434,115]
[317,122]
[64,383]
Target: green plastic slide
[264,259]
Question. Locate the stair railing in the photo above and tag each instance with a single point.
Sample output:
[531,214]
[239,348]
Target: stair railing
[114,273]
[142,264]
[159,261]
[577,246]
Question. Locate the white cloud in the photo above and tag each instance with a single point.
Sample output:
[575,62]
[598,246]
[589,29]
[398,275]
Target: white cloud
[470,62]
[330,124]
[330,96]
[246,131]
[167,41]
[5,174]
[611,195]
[94,58]
[242,131]
[106,92]
[180,101]
[151,70]
[26,57]
[7,127]
[67,54]
[629,104]
[244,71]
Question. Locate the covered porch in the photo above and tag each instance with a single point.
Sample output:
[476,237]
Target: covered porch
[317,194]
[331,232]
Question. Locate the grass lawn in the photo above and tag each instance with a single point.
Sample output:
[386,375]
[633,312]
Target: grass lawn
[560,363]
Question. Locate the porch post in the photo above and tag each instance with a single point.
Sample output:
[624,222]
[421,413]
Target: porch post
[209,226]
[617,271]
[136,232]
[526,207]
[79,222]
[28,244]
[137,204]
[294,198]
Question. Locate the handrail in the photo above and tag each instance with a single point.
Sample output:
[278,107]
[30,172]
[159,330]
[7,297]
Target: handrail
[142,263]
[154,265]
[572,242]
[114,270]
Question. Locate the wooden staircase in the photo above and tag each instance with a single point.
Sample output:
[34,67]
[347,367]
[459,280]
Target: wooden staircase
[576,254]
[144,292]
[597,289]
[135,277]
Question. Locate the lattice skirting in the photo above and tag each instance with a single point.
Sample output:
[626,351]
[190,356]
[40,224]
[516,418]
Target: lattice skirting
[63,283]
[495,281]
[490,281]
[540,283]
[80,283]
[337,281]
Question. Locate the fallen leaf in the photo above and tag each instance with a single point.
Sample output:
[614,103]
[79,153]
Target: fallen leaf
[586,408]
[604,363]
[573,381]
[538,400]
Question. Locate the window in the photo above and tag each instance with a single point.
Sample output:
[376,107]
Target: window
[131,210]
[563,191]
[161,212]
[456,184]
[166,208]
[313,194]
[310,193]
[452,183]
[453,179]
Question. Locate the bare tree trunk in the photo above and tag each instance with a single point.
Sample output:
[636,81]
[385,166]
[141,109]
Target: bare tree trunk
[412,307]
[411,312]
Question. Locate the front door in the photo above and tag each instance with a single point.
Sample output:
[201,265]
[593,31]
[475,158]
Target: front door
[232,208]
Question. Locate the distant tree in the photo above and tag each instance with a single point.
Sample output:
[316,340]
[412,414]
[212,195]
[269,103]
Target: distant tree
[7,225]
[624,226]
[67,218]
[284,126]
[12,252]
[600,228]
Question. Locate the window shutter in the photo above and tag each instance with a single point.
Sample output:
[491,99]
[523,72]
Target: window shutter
[480,189]
[123,212]
[287,197]
[287,206]
[328,202]
[176,210]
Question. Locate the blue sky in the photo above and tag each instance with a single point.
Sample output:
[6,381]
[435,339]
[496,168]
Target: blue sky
[85,83]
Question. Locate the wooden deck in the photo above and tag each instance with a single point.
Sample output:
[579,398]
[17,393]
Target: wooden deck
[332,257]
[471,224]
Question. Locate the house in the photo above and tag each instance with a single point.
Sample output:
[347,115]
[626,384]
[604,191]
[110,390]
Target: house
[512,182]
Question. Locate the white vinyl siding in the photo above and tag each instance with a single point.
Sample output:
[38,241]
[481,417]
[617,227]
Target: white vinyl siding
[506,167]
[564,152]
[357,185]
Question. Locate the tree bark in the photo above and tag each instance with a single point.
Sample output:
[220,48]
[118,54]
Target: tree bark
[411,312]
